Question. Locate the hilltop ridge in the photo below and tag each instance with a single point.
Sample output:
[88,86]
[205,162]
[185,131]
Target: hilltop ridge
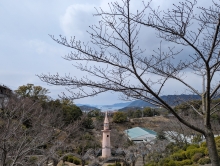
[170,99]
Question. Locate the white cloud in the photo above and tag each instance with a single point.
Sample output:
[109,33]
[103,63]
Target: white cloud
[27,50]
[77,19]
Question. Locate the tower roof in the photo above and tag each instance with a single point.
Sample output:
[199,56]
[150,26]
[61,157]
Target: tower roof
[106,118]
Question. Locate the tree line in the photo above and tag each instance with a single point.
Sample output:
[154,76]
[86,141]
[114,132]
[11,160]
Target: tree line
[123,116]
[36,129]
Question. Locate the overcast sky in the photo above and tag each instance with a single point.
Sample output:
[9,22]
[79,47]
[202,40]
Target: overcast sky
[26,49]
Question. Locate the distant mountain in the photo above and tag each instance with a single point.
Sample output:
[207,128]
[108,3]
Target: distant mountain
[172,100]
[133,108]
[118,104]
[87,107]
[78,105]
[140,103]
[111,107]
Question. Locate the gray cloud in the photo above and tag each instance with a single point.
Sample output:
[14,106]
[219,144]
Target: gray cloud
[27,50]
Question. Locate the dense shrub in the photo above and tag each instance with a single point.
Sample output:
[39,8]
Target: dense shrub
[87,136]
[197,156]
[65,158]
[217,138]
[178,156]
[172,148]
[183,162]
[72,159]
[137,114]
[203,144]
[161,135]
[119,117]
[116,164]
[190,153]
[149,112]
[76,161]
[88,123]
[193,146]
[217,141]
[204,161]
[163,162]
[171,163]
[70,112]
[151,164]
[206,152]
[60,153]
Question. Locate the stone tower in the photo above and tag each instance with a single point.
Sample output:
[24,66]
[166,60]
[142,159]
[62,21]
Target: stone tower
[106,146]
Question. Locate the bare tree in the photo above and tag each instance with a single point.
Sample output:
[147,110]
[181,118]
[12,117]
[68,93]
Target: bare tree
[31,135]
[179,133]
[115,57]
[119,139]
[88,155]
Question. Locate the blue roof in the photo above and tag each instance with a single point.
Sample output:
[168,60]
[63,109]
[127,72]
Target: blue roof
[150,131]
[140,133]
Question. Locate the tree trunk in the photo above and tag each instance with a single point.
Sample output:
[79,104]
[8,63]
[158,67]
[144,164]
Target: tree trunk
[133,163]
[55,162]
[213,154]
[83,162]
[4,155]
[3,158]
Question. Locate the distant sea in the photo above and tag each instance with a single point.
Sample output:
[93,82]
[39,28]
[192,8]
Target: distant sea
[104,108]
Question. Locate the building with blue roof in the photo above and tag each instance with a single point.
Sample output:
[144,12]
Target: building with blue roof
[138,134]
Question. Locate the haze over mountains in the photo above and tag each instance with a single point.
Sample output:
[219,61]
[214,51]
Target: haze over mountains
[170,99]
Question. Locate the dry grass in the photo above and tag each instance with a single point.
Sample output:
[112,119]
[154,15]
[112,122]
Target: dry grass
[153,123]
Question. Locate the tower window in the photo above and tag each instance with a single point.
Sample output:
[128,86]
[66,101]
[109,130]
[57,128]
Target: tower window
[107,135]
